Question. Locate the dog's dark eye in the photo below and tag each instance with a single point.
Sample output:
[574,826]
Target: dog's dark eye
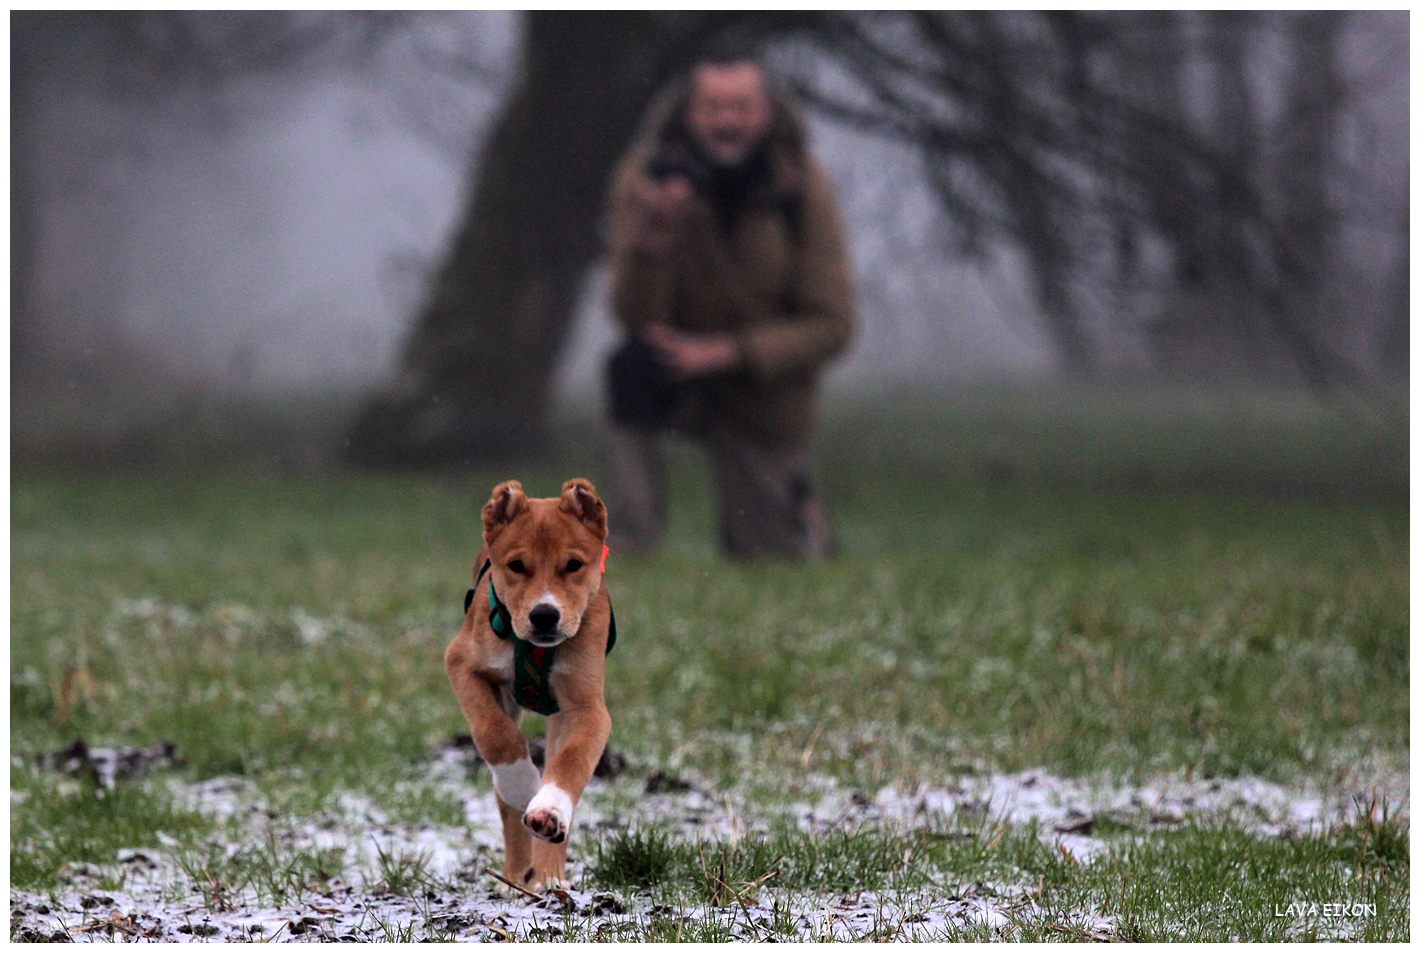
[573,565]
[517,567]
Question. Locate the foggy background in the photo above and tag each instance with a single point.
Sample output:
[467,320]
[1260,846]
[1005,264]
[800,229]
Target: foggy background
[274,224]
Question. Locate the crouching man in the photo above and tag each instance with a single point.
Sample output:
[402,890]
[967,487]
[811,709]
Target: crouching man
[731,279]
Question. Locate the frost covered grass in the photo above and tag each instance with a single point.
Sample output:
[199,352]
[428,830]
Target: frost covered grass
[925,864]
[55,824]
[1098,587]
[1164,887]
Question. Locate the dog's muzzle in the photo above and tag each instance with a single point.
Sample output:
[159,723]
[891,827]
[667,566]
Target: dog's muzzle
[544,621]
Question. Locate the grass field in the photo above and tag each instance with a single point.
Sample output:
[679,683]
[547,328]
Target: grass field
[1114,587]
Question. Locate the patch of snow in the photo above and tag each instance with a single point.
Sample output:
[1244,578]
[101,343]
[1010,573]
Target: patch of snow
[455,898]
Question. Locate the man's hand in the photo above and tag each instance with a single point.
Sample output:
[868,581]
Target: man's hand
[662,204]
[694,355]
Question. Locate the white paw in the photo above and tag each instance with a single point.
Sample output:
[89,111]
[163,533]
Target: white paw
[549,814]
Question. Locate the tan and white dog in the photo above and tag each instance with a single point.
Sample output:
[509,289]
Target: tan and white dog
[536,631]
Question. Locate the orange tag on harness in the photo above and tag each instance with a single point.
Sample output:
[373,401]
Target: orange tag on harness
[605,549]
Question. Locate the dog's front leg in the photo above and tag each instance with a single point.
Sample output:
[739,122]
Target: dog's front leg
[575,740]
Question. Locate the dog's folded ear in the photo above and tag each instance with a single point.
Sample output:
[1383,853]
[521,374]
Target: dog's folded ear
[502,508]
[579,498]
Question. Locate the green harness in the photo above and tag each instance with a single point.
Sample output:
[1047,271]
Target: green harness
[532,664]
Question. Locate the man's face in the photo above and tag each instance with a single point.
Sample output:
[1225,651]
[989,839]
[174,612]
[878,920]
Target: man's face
[729,113]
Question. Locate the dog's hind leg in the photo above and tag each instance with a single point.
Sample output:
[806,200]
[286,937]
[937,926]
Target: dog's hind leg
[517,846]
[549,863]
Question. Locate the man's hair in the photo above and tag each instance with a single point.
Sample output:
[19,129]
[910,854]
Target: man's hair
[728,49]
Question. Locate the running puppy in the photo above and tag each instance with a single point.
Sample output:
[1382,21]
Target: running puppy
[536,631]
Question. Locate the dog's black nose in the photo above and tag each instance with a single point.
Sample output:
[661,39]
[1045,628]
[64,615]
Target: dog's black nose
[544,618]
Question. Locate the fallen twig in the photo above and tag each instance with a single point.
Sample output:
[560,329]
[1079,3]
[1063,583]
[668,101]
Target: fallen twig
[123,925]
[516,886]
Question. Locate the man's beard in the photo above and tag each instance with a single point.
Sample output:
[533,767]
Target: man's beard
[728,187]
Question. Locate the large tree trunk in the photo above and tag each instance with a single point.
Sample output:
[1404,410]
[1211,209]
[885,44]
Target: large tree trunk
[478,366]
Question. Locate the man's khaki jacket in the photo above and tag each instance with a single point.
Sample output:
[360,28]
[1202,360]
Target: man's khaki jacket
[779,282]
